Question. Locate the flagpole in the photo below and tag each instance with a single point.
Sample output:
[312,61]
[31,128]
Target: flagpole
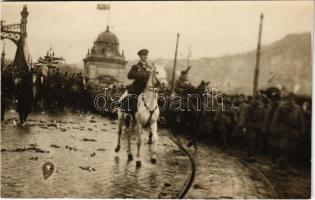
[174,67]
[108,17]
[105,7]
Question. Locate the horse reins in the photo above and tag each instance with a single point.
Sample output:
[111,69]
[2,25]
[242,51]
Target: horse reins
[148,109]
[151,111]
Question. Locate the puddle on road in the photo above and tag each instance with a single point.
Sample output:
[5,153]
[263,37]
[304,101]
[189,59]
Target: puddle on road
[86,165]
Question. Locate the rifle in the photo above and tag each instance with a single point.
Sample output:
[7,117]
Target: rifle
[187,70]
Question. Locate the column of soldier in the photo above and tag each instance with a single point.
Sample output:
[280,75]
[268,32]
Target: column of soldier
[268,124]
[273,123]
[55,91]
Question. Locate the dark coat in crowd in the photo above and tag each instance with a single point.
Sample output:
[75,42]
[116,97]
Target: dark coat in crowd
[24,93]
[288,120]
[270,112]
[254,116]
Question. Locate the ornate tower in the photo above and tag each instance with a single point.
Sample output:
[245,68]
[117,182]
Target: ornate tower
[104,62]
[17,34]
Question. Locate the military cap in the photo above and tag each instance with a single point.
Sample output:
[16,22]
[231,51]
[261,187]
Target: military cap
[143,52]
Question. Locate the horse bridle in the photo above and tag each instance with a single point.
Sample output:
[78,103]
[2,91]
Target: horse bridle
[146,105]
[151,111]
[151,90]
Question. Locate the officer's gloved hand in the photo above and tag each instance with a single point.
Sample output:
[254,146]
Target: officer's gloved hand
[150,70]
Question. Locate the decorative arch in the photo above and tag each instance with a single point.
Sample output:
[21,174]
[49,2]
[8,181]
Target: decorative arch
[17,34]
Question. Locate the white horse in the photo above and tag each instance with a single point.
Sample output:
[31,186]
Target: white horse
[146,116]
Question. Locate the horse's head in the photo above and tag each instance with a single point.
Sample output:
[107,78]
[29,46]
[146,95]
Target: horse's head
[202,86]
[158,76]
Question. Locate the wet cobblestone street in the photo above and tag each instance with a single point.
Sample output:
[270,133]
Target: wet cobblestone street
[219,175]
[224,174]
[86,166]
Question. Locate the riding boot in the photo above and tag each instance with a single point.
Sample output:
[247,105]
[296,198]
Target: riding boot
[21,117]
[25,116]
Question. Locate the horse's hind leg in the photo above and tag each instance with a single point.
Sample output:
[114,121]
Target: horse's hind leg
[120,127]
[139,133]
[128,131]
[150,138]
[154,140]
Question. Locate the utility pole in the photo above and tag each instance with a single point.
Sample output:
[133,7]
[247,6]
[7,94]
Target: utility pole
[256,74]
[174,67]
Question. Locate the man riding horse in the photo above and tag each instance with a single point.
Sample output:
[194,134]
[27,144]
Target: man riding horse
[140,73]
[143,105]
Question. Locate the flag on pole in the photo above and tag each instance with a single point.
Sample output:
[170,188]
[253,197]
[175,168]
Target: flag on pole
[103,6]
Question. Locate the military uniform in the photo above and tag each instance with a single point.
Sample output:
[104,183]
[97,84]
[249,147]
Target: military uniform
[273,139]
[24,95]
[183,85]
[223,121]
[236,114]
[140,73]
[253,121]
[288,123]
[306,141]
[7,89]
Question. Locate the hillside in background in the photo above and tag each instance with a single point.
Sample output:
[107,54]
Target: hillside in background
[286,63]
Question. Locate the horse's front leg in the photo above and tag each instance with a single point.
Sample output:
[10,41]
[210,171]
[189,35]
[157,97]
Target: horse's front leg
[150,141]
[154,141]
[120,127]
[128,131]
[139,133]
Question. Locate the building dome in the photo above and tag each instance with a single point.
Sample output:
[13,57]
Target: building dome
[105,60]
[107,37]
[107,45]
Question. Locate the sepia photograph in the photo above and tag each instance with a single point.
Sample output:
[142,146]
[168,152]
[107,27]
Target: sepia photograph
[156,99]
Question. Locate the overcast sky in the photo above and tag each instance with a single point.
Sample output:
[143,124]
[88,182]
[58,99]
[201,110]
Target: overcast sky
[213,28]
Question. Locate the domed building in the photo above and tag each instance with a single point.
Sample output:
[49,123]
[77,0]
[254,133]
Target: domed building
[104,62]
